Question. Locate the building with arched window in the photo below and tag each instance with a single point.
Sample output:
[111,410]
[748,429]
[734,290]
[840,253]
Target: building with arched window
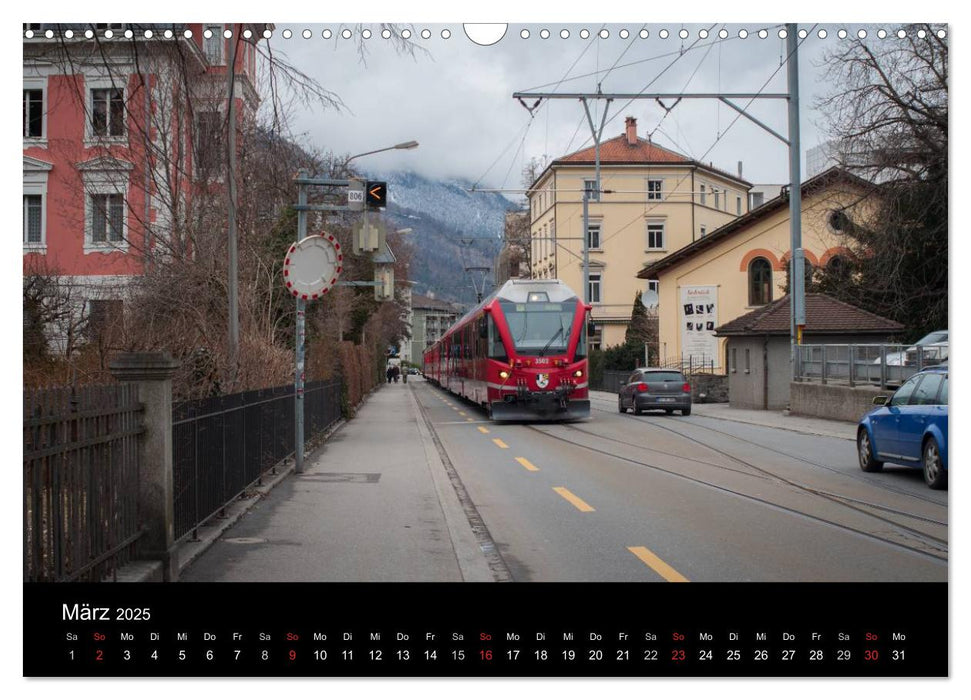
[743,265]
[759,282]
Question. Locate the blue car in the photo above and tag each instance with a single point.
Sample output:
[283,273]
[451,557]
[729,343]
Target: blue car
[909,428]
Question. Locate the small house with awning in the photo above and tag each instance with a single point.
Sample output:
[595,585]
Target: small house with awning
[758,345]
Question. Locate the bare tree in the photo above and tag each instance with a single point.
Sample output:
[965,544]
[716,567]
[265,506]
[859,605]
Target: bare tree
[173,112]
[889,116]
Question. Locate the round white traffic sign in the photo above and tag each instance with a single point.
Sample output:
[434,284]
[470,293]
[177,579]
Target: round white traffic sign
[312,266]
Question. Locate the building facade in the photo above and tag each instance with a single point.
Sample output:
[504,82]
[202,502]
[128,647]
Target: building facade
[743,265]
[512,262]
[758,345]
[430,318]
[121,133]
[653,201]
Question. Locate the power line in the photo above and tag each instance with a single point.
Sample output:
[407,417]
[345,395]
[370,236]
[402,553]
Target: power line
[508,146]
[715,143]
[685,87]
[677,58]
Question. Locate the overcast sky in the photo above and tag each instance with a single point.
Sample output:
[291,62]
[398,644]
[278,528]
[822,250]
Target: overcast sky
[455,97]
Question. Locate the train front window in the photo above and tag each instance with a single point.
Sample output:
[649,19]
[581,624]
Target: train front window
[539,327]
[497,351]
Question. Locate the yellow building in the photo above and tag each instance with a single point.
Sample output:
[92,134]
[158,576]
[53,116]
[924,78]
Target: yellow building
[653,202]
[743,265]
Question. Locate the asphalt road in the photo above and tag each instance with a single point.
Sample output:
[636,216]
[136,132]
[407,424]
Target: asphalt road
[421,486]
[657,497]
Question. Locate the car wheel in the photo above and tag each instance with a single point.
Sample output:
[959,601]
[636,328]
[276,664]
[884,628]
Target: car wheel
[865,452]
[934,472]
[669,411]
[620,405]
[685,411]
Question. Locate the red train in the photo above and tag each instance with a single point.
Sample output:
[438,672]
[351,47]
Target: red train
[520,354]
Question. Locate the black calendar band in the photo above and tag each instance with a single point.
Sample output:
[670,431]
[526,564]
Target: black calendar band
[486,630]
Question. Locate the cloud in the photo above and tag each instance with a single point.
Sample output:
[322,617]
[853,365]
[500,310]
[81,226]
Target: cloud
[455,97]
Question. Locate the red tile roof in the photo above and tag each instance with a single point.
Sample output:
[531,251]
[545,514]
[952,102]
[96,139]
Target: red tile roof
[824,314]
[618,150]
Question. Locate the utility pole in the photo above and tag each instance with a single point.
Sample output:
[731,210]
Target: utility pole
[231,191]
[300,333]
[303,181]
[597,133]
[797,279]
[797,284]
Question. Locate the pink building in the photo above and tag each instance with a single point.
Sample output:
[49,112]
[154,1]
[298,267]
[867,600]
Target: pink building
[123,127]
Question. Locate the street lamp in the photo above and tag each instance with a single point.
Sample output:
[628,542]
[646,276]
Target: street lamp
[302,204]
[407,145]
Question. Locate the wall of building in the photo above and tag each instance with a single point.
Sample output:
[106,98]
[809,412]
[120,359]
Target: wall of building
[746,380]
[746,389]
[68,147]
[725,264]
[81,163]
[557,205]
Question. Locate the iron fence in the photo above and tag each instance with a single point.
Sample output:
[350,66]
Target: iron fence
[876,365]
[224,444]
[80,481]
[691,364]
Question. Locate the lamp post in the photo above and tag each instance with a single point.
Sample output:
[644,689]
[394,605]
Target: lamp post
[407,145]
[302,207]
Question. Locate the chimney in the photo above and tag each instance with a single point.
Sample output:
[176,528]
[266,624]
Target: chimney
[739,170]
[631,131]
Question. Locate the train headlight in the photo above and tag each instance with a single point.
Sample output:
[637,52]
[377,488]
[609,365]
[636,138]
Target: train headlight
[578,373]
[504,374]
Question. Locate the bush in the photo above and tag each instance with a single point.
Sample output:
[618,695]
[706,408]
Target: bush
[624,357]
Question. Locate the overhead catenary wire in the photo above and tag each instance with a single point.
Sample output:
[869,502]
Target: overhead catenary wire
[668,111]
[532,115]
[694,46]
[504,150]
[719,137]
[677,57]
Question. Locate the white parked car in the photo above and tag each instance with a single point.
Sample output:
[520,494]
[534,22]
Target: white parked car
[934,346]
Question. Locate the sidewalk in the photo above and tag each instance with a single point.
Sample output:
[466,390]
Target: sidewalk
[770,419]
[374,504]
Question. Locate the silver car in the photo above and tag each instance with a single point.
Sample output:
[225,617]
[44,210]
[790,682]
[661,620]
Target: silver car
[650,388]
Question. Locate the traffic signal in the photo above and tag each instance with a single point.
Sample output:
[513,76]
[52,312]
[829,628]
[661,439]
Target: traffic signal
[376,195]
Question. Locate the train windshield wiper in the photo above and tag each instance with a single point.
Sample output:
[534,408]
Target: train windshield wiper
[558,333]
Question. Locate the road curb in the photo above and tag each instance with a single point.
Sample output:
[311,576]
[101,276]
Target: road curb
[793,429]
[471,554]
[699,411]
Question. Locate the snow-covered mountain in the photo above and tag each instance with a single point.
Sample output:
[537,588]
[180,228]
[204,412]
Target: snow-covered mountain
[453,229]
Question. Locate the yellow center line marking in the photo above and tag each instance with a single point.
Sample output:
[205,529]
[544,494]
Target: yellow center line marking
[526,463]
[483,430]
[500,443]
[469,420]
[656,563]
[462,413]
[580,504]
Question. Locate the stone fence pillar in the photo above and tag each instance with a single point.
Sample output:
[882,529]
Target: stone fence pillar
[152,373]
